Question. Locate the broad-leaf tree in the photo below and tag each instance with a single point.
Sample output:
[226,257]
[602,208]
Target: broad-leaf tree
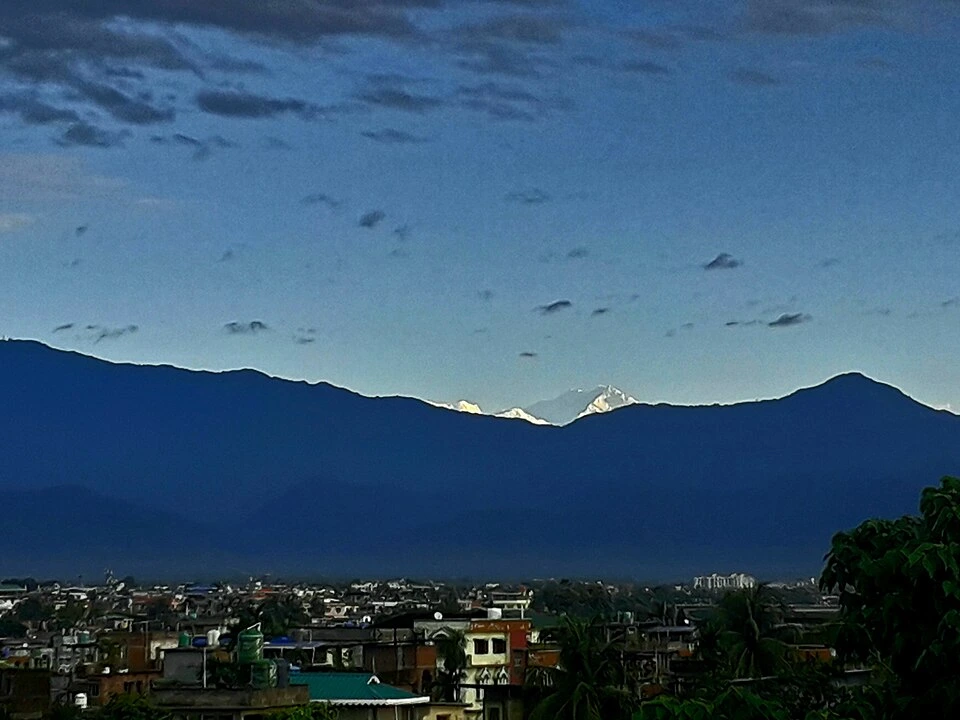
[899,588]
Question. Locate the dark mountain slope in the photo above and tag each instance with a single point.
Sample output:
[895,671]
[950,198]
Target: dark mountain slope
[292,477]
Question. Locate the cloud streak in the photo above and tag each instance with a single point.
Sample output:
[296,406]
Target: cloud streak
[789,320]
[554,307]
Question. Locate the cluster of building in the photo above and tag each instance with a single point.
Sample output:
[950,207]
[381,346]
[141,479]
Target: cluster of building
[714,582]
[372,649]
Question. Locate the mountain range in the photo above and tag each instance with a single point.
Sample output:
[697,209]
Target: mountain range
[158,471]
[563,410]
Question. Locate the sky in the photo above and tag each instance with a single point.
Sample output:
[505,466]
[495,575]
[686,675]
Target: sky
[697,202]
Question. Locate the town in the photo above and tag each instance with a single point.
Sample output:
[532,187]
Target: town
[368,649]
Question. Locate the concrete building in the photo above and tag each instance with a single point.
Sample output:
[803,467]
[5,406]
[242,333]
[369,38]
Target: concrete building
[736,581]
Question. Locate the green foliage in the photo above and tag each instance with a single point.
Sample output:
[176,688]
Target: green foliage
[31,610]
[751,637]
[313,711]
[72,615]
[899,588]
[130,707]
[64,711]
[591,681]
[451,664]
[12,628]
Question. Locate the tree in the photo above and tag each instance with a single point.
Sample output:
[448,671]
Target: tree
[899,588]
[313,711]
[590,681]
[752,636]
[451,664]
[130,707]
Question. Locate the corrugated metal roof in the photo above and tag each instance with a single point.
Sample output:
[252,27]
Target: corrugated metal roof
[354,689]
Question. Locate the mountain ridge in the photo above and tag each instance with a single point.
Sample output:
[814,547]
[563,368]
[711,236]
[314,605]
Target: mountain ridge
[287,476]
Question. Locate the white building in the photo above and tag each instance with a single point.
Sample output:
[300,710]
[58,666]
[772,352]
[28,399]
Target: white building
[736,581]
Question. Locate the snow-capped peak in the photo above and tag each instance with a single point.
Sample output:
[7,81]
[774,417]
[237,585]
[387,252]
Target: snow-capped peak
[461,406]
[521,414]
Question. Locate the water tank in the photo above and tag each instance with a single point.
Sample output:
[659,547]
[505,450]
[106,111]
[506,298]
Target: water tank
[249,646]
[213,638]
[263,674]
[184,640]
[494,614]
[80,700]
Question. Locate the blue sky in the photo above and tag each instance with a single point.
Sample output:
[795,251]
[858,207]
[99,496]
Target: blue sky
[697,202]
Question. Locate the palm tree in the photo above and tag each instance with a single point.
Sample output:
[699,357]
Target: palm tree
[752,633]
[451,663]
[590,681]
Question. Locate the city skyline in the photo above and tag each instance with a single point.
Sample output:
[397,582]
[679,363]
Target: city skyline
[694,202]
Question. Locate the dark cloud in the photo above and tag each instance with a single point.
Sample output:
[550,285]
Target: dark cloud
[789,319]
[599,311]
[135,111]
[320,199]
[828,262]
[399,253]
[723,261]
[390,136]
[524,29]
[35,112]
[752,77]
[81,230]
[372,218]
[508,102]
[85,134]
[395,98]
[402,232]
[302,340]
[251,327]
[645,67]
[533,196]
[105,333]
[228,103]
[554,307]
[952,302]
[527,355]
[654,40]
[578,253]
[64,327]
[485,295]
[488,58]
[817,17]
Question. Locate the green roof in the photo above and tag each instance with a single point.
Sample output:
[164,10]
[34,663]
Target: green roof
[339,688]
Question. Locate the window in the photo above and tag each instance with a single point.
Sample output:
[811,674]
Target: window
[518,661]
[499,646]
[445,716]
[493,713]
[481,647]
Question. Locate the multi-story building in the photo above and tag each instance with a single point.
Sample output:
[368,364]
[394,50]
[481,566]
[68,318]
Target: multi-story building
[736,581]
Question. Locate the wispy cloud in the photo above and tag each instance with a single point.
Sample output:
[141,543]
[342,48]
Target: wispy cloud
[372,218]
[234,104]
[600,311]
[533,196]
[723,261]
[391,136]
[11,222]
[86,135]
[485,295]
[789,320]
[248,327]
[578,253]
[111,333]
[63,328]
[554,307]
[527,355]
[321,199]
